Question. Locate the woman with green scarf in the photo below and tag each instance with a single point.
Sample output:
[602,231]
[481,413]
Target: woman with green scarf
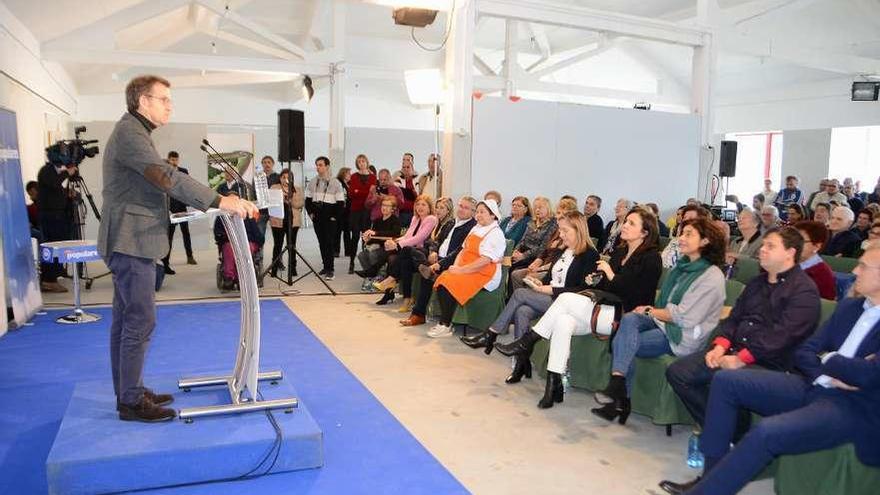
[687,309]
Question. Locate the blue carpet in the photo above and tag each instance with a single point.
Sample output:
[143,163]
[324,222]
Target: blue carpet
[366,450]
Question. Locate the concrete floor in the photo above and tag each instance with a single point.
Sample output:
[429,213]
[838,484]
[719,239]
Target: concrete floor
[490,435]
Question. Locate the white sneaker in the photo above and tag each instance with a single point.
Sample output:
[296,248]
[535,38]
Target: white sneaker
[438,331]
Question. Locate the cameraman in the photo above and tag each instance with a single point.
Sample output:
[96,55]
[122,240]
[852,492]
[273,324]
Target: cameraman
[56,212]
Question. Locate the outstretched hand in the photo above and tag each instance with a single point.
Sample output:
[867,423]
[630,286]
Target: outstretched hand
[237,206]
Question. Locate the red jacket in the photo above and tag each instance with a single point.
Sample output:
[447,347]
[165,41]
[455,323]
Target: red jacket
[823,277]
[358,189]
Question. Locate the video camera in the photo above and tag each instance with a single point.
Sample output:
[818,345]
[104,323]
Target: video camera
[70,152]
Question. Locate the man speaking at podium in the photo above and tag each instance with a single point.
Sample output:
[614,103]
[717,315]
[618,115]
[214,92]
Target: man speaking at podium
[134,234]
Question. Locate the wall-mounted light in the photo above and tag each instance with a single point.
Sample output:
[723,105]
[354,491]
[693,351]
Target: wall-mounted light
[308,90]
[424,86]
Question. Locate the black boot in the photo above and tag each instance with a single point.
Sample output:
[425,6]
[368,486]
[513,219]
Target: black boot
[386,298]
[553,392]
[620,408]
[522,345]
[351,266]
[677,488]
[616,388]
[523,367]
[480,340]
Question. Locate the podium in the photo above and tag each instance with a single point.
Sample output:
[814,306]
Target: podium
[243,384]
[77,251]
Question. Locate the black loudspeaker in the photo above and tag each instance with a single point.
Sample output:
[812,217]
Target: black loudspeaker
[291,136]
[727,161]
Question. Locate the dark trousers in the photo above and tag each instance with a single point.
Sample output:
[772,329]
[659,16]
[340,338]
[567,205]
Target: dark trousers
[798,418]
[690,378]
[187,242]
[342,239]
[55,226]
[325,230]
[404,265]
[134,317]
[447,305]
[278,235]
[358,222]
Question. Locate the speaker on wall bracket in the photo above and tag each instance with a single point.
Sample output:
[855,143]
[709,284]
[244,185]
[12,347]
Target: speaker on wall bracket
[727,159]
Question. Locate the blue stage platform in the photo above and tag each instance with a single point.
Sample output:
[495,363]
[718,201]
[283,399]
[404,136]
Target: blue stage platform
[94,452]
[366,450]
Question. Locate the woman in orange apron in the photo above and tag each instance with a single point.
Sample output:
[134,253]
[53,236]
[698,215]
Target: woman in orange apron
[477,266]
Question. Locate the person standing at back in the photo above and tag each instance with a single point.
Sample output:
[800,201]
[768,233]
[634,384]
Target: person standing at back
[325,200]
[175,206]
[133,234]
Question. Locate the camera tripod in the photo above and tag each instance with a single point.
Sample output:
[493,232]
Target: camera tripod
[291,251]
[77,188]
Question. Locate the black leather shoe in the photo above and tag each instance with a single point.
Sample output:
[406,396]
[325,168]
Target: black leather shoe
[169,271]
[481,340]
[677,488]
[522,345]
[146,412]
[386,298]
[522,368]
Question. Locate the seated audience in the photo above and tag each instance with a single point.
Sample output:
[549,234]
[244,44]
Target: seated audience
[514,226]
[227,256]
[758,202]
[777,310]
[671,252]
[748,242]
[769,192]
[808,204]
[843,241]
[594,221]
[874,197]
[831,193]
[687,309]
[410,256]
[834,401]
[406,180]
[863,223]
[477,266]
[537,233]
[853,200]
[789,195]
[552,251]
[442,259]
[815,236]
[566,275]
[663,230]
[423,223]
[611,235]
[387,226]
[822,213]
[873,236]
[794,213]
[631,274]
[769,218]
[378,192]
[492,194]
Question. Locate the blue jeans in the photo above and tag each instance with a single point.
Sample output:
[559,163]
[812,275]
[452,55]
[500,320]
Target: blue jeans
[637,336]
[524,306]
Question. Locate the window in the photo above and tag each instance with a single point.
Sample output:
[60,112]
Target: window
[758,157]
[855,152]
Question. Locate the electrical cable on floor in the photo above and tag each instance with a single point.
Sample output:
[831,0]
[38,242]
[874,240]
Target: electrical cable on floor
[209,298]
[276,449]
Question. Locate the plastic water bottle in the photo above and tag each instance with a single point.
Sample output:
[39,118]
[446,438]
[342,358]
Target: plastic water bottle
[565,383]
[261,187]
[695,457]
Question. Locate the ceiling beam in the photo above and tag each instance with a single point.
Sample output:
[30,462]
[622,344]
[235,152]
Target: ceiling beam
[103,30]
[572,16]
[185,61]
[602,46]
[490,84]
[483,67]
[254,27]
[761,9]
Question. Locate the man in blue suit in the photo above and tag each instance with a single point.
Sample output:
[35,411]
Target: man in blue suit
[836,401]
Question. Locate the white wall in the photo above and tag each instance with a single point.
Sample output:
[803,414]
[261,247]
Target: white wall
[805,154]
[550,149]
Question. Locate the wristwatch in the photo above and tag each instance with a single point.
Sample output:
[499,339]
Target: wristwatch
[648,310]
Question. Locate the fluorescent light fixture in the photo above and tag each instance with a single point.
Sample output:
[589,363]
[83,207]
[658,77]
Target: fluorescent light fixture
[424,86]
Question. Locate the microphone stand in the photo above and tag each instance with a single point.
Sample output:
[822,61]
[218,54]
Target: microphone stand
[228,168]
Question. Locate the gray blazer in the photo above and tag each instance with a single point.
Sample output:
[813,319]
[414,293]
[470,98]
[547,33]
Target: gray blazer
[137,182]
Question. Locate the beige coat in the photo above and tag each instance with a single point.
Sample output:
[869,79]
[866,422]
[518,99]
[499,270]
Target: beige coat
[296,207]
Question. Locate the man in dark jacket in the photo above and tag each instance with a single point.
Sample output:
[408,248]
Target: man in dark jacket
[177,206]
[443,258]
[56,214]
[836,401]
[777,310]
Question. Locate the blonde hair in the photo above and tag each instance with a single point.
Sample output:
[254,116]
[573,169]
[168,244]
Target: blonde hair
[450,208]
[427,200]
[578,222]
[567,205]
[545,200]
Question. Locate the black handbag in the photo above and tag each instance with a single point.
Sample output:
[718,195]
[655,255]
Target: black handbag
[606,314]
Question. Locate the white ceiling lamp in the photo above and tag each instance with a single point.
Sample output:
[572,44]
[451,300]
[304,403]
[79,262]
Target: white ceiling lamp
[424,86]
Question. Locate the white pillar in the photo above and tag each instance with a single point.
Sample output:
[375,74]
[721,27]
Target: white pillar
[336,125]
[459,75]
[702,82]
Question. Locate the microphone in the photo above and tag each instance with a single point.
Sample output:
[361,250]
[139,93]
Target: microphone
[228,168]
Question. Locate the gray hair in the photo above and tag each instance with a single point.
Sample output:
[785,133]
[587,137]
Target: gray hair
[771,209]
[850,216]
[755,217]
[471,200]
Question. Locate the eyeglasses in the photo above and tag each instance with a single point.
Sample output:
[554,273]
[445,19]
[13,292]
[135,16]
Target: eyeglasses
[164,99]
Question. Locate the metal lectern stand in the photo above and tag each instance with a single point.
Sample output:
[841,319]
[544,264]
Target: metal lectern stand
[243,384]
